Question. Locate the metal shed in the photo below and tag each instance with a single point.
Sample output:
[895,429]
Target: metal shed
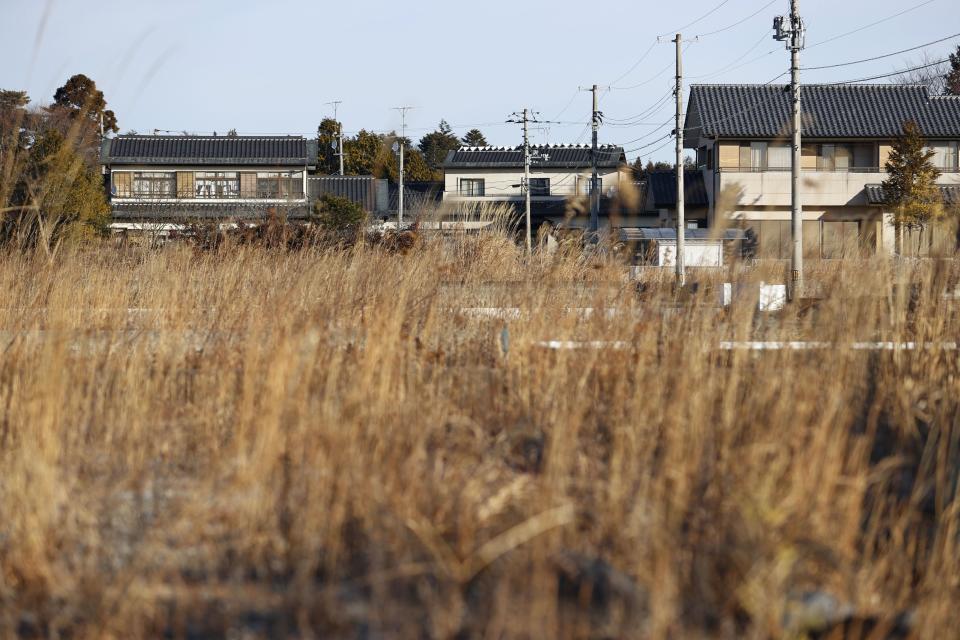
[702,247]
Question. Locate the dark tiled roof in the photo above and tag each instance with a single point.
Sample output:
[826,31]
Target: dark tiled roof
[553,157]
[210,150]
[829,111]
[950,193]
[150,211]
[663,186]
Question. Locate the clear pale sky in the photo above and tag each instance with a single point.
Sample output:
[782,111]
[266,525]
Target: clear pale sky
[269,67]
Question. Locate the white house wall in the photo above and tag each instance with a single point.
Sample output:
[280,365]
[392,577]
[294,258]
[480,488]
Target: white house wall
[505,184]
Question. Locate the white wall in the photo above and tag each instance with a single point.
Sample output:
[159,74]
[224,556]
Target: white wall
[696,253]
[501,184]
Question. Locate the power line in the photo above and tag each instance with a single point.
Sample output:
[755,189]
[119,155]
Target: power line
[630,120]
[890,75]
[636,64]
[737,23]
[886,55]
[729,66]
[872,24]
[651,79]
[690,24]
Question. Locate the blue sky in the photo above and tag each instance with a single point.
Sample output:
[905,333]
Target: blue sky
[270,67]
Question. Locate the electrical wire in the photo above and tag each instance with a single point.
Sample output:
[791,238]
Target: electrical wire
[738,23]
[703,17]
[890,75]
[731,65]
[872,24]
[886,55]
[636,64]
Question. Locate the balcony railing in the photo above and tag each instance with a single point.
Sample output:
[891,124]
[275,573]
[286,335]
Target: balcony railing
[259,195]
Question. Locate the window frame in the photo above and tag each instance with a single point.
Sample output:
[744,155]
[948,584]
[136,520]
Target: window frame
[159,184]
[538,190]
[472,191]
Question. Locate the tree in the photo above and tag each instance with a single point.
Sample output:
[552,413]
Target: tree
[415,167]
[80,97]
[14,120]
[932,76]
[474,138]
[435,145]
[58,196]
[334,213]
[362,152]
[327,161]
[911,188]
[952,78]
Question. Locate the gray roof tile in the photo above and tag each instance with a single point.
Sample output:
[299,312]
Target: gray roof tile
[950,193]
[211,150]
[556,157]
[829,111]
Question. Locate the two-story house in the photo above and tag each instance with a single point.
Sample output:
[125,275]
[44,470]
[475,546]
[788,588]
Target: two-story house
[560,175]
[741,134]
[168,178]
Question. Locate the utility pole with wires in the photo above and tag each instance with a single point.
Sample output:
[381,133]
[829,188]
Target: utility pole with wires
[790,29]
[681,224]
[596,118]
[525,118]
[401,143]
[337,103]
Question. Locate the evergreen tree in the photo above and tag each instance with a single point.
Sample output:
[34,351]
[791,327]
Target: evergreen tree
[435,145]
[362,152]
[61,197]
[911,188]
[80,97]
[952,78]
[328,162]
[474,138]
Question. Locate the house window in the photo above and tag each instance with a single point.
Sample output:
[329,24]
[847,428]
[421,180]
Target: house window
[539,186]
[279,185]
[779,156]
[217,184]
[154,184]
[845,156]
[944,155]
[471,187]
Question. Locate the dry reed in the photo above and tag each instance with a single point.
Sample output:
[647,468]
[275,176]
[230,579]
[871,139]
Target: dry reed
[263,443]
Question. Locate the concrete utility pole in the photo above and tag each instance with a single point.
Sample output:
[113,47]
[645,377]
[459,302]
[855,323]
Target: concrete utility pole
[594,189]
[794,37]
[402,142]
[525,119]
[526,177]
[337,103]
[681,224]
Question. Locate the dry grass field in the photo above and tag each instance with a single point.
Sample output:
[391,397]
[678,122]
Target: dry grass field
[254,443]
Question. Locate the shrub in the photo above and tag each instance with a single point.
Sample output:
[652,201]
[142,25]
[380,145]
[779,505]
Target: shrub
[338,214]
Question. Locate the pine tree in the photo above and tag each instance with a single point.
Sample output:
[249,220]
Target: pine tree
[474,138]
[435,145]
[952,78]
[911,188]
